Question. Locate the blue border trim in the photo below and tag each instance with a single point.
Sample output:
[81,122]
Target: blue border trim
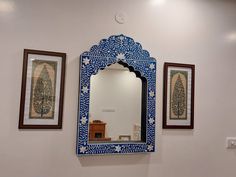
[109,51]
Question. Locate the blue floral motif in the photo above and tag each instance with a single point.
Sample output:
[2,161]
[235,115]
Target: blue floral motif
[109,51]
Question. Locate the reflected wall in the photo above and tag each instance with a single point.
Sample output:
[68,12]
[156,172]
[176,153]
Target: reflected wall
[115,99]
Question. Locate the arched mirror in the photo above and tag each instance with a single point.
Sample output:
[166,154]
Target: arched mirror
[117,98]
[115,105]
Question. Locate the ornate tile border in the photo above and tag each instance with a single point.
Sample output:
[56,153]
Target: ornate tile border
[109,51]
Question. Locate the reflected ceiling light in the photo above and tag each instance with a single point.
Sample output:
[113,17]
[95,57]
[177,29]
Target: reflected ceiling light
[157,2]
[6,6]
[231,36]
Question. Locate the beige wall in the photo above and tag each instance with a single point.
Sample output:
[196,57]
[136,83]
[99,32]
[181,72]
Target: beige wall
[190,31]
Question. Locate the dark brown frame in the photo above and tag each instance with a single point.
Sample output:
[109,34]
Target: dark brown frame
[165,91]
[23,89]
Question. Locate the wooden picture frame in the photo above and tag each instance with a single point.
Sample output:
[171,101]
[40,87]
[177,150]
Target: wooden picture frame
[178,96]
[42,90]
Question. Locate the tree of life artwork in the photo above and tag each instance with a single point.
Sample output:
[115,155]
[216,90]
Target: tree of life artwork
[43,89]
[178,94]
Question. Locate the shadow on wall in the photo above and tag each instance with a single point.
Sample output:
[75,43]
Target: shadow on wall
[177,132]
[110,160]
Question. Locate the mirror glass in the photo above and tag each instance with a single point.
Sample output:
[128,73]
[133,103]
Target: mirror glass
[115,105]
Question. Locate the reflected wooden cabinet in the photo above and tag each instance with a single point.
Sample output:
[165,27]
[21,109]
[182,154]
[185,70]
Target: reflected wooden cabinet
[97,131]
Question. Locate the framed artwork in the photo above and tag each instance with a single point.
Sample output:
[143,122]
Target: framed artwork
[178,97]
[42,90]
[125,137]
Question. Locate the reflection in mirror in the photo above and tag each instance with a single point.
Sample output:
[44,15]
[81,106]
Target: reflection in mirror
[115,105]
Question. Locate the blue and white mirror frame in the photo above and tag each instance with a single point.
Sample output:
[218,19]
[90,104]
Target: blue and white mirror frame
[121,49]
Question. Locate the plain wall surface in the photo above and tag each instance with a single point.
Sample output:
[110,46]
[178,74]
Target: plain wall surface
[185,31]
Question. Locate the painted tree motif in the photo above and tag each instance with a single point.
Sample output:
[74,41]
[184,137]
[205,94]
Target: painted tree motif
[178,99]
[43,100]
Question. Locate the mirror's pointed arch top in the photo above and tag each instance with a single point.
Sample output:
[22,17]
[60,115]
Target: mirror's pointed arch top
[123,49]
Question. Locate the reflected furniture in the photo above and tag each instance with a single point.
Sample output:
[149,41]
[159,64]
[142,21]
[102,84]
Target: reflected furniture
[97,130]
